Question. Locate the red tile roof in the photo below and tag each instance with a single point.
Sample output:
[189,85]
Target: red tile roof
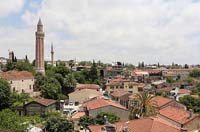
[141,125]
[165,89]
[78,115]
[170,74]
[178,115]
[99,103]
[88,86]
[161,101]
[16,75]
[87,91]
[119,93]
[45,102]
[184,91]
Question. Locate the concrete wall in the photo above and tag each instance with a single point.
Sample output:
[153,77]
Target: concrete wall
[35,108]
[81,96]
[123,114]
[25,85]
[127,86]
[175,104]
[193,125]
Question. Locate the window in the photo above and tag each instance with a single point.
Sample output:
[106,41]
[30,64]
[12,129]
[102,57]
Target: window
[121,86]
[22,80]
[14,89]
[130,86]
[29,86]
[111,87]
[22,90]
[11,82]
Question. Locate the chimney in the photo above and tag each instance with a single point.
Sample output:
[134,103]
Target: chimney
[190,113]
[125,129]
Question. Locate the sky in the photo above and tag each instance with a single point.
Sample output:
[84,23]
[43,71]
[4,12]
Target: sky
[130,31]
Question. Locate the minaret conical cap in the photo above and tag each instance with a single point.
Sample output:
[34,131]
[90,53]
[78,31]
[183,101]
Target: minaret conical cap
[39,22]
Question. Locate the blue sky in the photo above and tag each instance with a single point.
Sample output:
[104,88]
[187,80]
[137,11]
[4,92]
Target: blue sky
[152,31]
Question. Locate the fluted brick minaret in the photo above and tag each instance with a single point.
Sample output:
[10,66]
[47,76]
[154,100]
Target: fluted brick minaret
[52,55]
[39,54]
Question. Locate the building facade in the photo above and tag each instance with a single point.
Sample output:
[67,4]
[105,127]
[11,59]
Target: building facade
[20,81]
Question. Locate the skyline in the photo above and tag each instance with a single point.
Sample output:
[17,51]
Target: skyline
[129,31]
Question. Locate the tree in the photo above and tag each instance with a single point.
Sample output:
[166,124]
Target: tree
[191,102]
[39,81]
[170,80]
[196,89]
[93,72]
[20,66]
[54,124]
[63,70]
[143,106]
[85,121]
[111,117]
[51,89]
[5,94]
[69,84]
[11,120]
[195,73]
[18,99]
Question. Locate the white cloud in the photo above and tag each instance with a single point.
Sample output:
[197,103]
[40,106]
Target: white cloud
[125,30]
[10,6]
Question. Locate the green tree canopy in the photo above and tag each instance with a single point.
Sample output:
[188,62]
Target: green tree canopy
[54,124]
[111,117]
[191,102]
[85,121]
[20,66]
[11,120]
[39,81]
[195,73]
[143,106]
[5,94]
[51,89]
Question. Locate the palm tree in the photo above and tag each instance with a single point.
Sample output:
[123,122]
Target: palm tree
[143,106]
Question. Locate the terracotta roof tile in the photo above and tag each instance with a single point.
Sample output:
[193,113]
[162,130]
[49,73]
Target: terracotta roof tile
[141,125]
[87,86]
[184,91]
[161,101]
[16,75]
[119,93]
[45,102]
[78,115]
[178,115]
[165,89]
[88,91]
[98,103]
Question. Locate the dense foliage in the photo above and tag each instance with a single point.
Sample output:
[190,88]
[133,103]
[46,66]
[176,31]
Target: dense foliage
[85,121]
[196,89]
[111,118]
[19,99]
[195,73]
[20,66]
[51,89]
[191,103]
[11,120]
[143,106]
[5,94]
[88,76]
[170,80]
[54,124]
